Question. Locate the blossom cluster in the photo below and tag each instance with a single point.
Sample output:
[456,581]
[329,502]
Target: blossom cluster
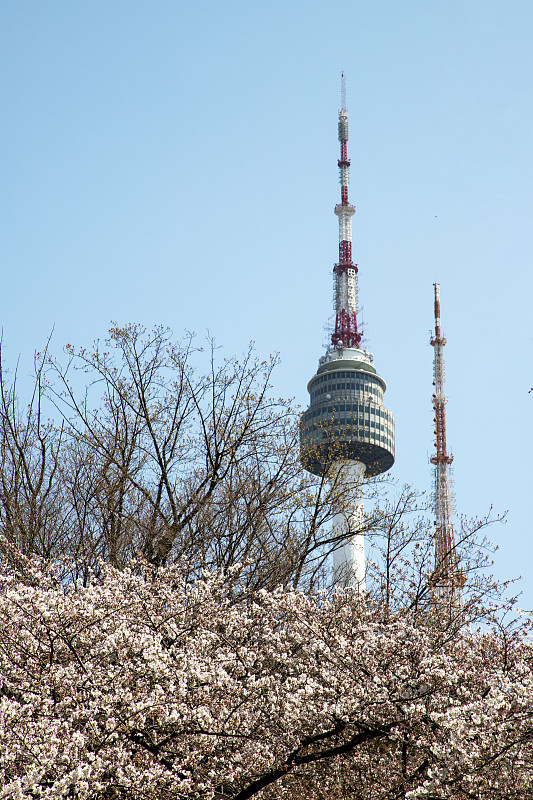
[141,684]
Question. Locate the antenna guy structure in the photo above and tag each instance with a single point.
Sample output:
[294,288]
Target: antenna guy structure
[346,433]
[447,579]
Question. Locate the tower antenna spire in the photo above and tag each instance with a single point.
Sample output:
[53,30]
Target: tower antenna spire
[346,333]
[447,579]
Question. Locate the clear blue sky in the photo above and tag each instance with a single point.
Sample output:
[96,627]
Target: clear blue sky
[175,163]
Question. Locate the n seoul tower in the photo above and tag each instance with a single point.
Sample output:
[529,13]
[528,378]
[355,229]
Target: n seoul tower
[346,433]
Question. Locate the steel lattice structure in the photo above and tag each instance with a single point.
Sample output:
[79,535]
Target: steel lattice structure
[447,579]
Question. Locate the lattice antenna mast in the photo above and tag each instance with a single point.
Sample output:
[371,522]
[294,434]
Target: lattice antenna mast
[447,577]
[346,333]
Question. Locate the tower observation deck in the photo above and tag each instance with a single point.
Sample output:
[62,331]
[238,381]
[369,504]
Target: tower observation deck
[346,433]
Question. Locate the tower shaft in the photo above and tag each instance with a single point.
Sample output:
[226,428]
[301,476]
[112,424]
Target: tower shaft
[447,577]
[349,563]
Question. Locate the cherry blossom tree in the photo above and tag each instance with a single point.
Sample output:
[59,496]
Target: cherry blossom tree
[145,684]
[151,653]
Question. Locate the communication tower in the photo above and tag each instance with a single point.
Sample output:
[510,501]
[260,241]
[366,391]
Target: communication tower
[346,433]
[447,579]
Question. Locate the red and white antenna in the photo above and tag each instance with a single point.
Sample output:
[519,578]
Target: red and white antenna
[346,333]
[447,578]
